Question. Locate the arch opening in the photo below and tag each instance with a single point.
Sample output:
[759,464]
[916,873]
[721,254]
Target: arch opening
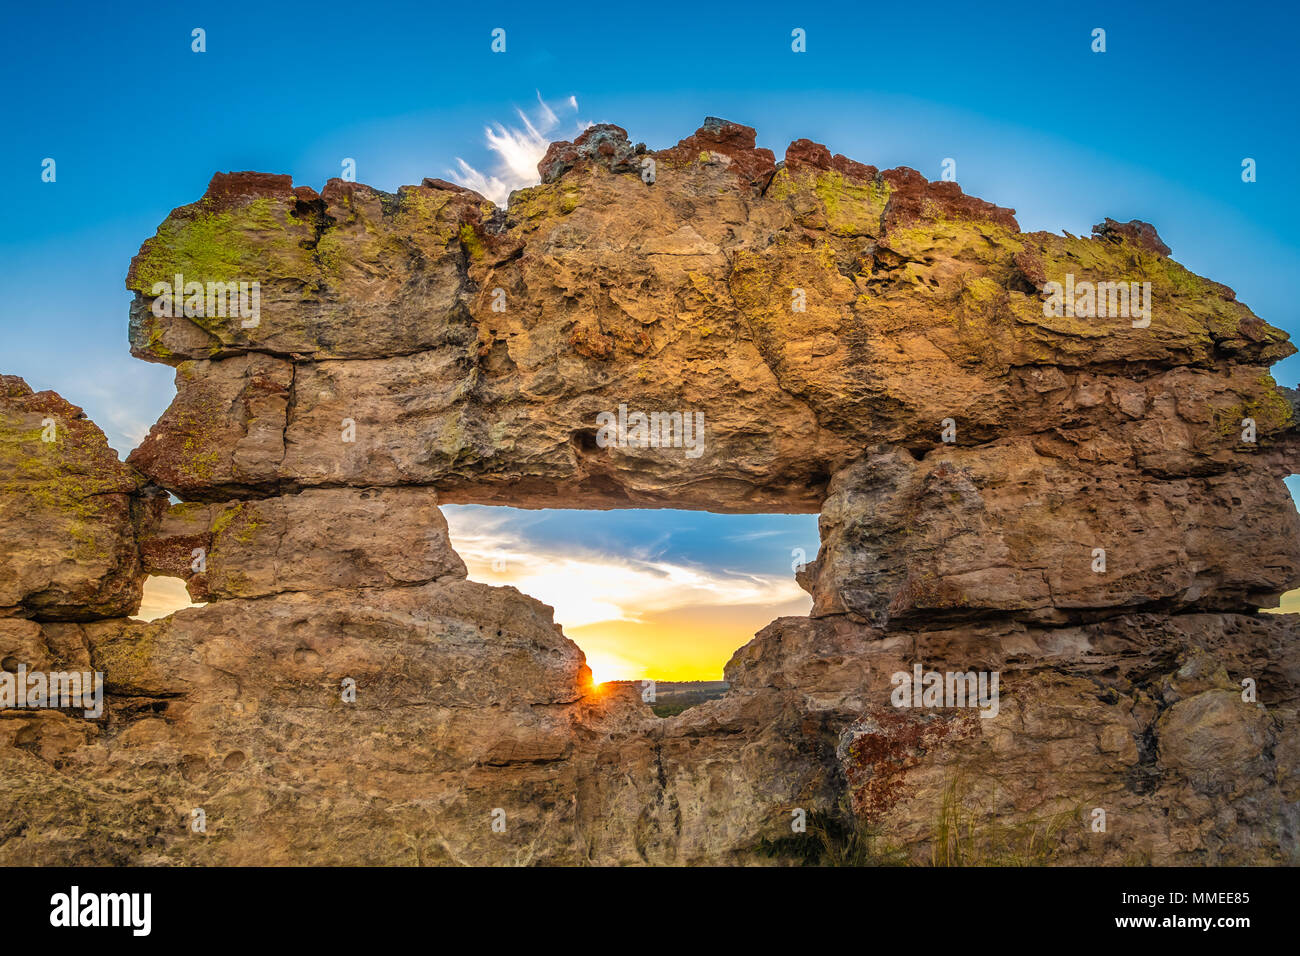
[661,595]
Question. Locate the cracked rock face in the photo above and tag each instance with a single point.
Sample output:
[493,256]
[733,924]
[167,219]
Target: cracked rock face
[807,314]
[1013,527]
[1085,503]
[378,538]
[68,512]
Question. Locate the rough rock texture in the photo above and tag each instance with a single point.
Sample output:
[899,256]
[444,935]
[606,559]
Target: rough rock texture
[1090,508]
[465,702]
[919,304]
[377,538]
[1140,716]
[1012,526]
[67,512]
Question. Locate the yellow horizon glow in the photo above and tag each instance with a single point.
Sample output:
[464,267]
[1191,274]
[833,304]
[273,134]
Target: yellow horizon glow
[162,596]
[686,644]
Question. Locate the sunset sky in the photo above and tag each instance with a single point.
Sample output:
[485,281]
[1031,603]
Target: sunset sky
[662,594]
[138,123]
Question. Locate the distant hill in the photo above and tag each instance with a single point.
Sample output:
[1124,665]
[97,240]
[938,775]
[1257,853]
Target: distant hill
[673,697]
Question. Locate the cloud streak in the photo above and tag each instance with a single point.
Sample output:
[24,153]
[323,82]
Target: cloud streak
[518,150]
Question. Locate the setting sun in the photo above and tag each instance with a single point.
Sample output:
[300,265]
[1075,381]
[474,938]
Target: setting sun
[607,667]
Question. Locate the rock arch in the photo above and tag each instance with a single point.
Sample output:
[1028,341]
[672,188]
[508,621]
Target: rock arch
[862,343]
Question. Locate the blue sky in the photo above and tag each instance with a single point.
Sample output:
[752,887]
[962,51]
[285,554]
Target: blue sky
[1155,128]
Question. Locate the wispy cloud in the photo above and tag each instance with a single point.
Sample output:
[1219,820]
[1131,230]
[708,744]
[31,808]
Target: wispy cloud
[122,396]
[518,150]
[757,535]
[634,613]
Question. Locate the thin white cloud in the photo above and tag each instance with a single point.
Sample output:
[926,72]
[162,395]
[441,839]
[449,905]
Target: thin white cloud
[123,397]
[755,535]
[518,150]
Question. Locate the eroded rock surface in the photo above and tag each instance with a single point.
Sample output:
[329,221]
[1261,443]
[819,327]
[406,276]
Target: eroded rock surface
[68,512]
[376,538]
[1085,504]
[807,312]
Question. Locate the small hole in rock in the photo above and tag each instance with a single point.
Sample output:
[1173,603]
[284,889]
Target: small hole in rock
[162,596]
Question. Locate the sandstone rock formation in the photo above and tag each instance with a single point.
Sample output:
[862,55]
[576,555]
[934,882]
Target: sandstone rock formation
[1087,503]
[68,512]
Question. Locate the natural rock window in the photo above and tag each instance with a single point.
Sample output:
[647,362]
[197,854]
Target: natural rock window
[162,596]
[664,595]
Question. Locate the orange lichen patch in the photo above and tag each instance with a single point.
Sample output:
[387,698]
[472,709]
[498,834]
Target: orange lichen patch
[588,341]
[888,742]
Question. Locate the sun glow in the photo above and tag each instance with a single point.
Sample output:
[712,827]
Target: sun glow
[606,667]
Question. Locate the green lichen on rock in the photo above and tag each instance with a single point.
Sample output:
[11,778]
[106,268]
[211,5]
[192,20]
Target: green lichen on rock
[470,240]
[782,186]
[130,660]
[226,518]
[973,240]
[62,486]
[830,200]
[204,244]
[570,199]
[1267,408]
[852,209]
[154,333]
